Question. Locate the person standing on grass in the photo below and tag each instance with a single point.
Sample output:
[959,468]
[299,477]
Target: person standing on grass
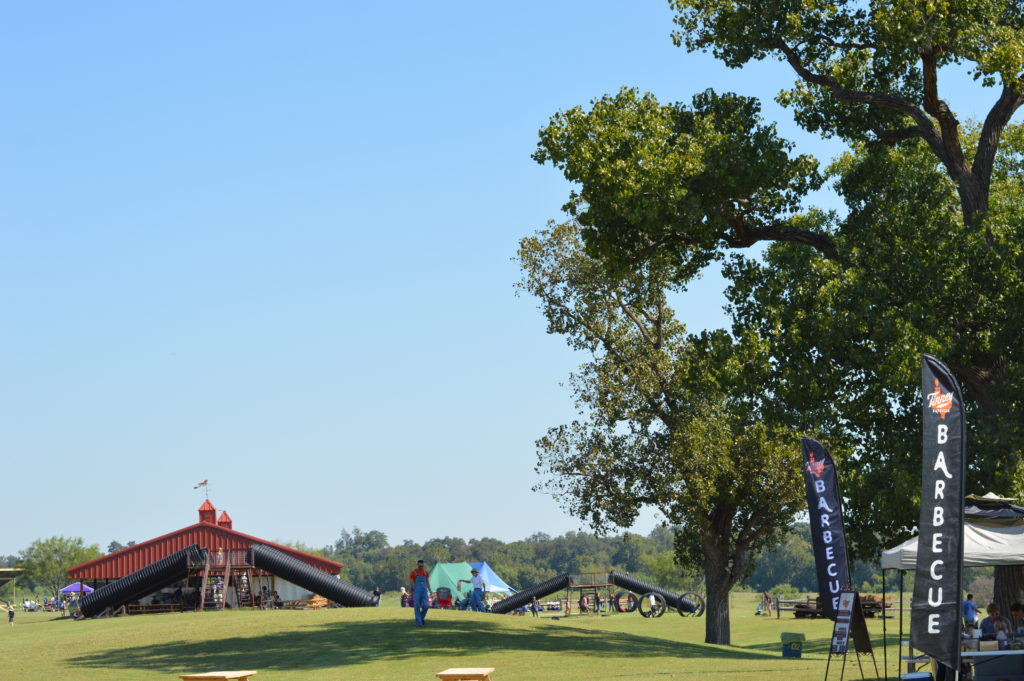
[476,601]
[970,609]
[10,616]
[419,585]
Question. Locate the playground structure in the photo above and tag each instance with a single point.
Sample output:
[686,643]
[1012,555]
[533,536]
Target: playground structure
[593,593]
[212,575]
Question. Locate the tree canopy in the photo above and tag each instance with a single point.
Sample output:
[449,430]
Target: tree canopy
[872,71]
[46,561]
[838,307]
[667,419]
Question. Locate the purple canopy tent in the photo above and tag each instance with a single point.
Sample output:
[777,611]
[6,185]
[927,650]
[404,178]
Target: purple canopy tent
[77,587]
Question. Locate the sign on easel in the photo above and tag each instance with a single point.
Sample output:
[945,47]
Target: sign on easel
[850,622]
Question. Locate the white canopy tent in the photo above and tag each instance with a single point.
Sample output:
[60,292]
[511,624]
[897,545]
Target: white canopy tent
[984,544]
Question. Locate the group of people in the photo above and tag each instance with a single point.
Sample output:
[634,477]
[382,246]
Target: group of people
[268,599]
[421,599]
[993,627]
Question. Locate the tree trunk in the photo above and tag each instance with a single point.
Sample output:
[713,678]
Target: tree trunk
[1008,589]
[718,580]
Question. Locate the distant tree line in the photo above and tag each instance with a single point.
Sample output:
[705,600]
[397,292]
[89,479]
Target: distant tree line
[370,560]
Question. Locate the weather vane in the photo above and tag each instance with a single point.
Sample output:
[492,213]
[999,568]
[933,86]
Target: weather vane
[205,484]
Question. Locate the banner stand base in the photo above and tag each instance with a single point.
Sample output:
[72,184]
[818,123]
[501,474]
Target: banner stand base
[849,623]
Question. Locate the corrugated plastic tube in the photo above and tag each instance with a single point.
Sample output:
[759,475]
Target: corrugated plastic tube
[523,597]
[639,586]
[141,582]
[308,577]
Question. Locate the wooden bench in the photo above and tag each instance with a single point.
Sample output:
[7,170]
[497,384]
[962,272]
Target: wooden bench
[466,674]
[136,608]
[222,676]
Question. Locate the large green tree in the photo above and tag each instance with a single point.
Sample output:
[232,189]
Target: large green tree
[873,71]
[927,256]
[668,420]
[46,561]
[848,334]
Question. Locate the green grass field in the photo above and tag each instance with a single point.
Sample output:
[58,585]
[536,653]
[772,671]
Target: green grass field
[382,644]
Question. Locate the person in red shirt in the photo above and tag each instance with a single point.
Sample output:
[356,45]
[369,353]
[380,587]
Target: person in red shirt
[420,587]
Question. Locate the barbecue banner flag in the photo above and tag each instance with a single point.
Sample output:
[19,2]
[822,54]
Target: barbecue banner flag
[935,613]
[827,535]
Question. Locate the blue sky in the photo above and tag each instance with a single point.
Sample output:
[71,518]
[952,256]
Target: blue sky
[269,245]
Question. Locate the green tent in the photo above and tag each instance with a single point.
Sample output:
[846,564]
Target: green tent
[448,575]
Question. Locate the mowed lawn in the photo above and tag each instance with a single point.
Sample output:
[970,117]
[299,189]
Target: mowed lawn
[382,644]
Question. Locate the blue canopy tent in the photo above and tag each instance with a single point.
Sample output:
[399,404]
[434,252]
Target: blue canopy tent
[77,588]
[494,583]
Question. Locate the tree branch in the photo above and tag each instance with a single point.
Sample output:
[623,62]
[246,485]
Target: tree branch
[606,342]
[743,236]
[894,137]
[949,127]
[1010,99]
[628,311]
[843,45]
[656,344]
[880,99]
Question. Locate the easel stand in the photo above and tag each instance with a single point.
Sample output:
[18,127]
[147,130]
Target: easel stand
[850,622]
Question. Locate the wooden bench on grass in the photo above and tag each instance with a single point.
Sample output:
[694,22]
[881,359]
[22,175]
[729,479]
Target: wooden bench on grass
[466,674]
[218,676]
[314,603]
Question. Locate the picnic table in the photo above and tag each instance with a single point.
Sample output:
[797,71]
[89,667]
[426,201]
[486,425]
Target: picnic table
[221,676]
[135,608]
[466,674]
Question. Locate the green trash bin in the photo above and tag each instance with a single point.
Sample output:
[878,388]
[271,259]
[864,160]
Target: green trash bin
[792,644]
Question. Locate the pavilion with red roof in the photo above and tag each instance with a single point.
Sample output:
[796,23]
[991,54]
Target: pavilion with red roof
[228,559]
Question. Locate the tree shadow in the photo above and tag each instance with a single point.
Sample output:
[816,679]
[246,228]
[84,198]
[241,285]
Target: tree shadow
[821,646]
[340,644]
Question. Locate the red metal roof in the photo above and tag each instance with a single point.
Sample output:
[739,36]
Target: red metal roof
[206,535]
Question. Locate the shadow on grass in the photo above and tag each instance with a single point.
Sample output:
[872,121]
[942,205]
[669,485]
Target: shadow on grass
[350,643]
[821,646]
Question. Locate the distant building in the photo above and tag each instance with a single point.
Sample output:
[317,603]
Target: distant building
[228,564]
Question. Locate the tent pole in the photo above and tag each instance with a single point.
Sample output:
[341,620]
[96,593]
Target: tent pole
[901,623]
[885,638]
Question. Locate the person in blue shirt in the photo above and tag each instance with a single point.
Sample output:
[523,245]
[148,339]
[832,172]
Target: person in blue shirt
[988,625]
[970,610]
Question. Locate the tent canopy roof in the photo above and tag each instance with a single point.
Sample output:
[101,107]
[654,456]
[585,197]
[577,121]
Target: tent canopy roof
[984,545]
[492,581]
[76,587]
[447,575]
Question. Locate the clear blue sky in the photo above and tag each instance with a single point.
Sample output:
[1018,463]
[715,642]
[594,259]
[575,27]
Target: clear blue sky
[269,244]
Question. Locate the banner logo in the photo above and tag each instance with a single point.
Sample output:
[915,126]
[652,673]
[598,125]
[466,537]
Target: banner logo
[939,402]
[815,467]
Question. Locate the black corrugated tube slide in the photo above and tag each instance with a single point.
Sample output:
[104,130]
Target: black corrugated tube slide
[308,577]
[683,603]
[151,578]
[523,597]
